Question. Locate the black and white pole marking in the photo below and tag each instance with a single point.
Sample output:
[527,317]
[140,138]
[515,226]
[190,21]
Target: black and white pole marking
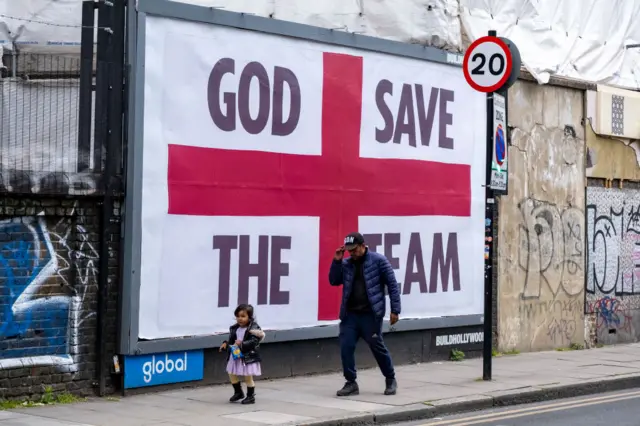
[487,64]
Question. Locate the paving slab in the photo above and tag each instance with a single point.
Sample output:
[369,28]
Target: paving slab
[8,418]
[425,390]
[268,417]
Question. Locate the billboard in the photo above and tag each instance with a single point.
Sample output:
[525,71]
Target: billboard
[260,152]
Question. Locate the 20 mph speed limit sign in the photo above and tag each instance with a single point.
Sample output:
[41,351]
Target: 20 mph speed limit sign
[487,64]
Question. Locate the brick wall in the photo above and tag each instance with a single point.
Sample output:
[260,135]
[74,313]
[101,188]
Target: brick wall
[49,272]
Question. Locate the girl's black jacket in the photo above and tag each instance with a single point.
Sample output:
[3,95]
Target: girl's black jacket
[250,343]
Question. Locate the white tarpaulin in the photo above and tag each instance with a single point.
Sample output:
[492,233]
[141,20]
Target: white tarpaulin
[582,39]
[47,26]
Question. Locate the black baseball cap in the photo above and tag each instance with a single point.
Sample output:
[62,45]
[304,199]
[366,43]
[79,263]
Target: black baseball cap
[353,240]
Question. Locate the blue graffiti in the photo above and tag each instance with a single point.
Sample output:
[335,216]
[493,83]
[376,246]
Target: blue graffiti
[608,309]
[34,312]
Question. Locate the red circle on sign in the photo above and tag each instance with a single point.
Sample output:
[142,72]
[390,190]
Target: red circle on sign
[509,64]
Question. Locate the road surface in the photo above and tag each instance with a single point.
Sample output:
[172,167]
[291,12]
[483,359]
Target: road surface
[607,409]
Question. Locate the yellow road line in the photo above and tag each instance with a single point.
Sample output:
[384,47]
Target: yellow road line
[514,416]
[521,412]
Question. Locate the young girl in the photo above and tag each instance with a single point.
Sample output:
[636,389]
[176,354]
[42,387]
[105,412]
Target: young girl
[246,335]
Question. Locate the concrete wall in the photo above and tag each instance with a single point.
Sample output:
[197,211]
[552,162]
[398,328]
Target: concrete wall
[613,224]
[541,221]
[613,263]
[611,158]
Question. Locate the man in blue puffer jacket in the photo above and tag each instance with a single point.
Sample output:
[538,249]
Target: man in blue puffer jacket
[366,276]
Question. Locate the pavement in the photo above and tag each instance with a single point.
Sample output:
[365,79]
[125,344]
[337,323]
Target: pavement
[425,391]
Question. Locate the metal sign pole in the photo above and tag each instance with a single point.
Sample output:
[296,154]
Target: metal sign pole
[488,247]
[488,253]
[491,65]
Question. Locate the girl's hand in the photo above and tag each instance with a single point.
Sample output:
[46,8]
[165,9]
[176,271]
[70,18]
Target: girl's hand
[258,333]
[223,347]
[238,342]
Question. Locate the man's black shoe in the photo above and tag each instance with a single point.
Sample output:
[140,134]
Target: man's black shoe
[392,387]
[349,388]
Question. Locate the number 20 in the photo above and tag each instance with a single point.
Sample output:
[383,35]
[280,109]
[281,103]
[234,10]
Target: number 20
[483,60]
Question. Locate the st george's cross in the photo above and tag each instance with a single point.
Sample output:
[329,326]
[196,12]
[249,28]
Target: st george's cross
[339,185]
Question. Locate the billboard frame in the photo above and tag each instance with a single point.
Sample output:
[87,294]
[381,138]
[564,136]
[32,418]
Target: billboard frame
[128,342]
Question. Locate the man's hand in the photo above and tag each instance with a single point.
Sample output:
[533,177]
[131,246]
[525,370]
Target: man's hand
[393,319]
[223,347]
[339,253]
[238,342]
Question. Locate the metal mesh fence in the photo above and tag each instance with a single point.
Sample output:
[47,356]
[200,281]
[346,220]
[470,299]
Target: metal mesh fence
[39,106]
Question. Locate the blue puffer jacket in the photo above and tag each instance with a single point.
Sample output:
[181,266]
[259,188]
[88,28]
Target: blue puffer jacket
[378,273]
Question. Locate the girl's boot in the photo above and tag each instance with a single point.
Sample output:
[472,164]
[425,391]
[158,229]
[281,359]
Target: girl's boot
[238,394]
[251,396]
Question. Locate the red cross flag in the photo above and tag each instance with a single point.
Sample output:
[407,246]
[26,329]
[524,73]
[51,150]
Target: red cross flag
[262,152]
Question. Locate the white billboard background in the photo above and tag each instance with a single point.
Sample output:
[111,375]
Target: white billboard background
[193,295]
[179,273]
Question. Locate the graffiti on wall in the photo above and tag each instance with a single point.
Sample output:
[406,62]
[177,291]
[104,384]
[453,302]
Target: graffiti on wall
[611,313]
[558,319]
[551,242]
[561,331]
[613,242]
[47,267]
[551,258]
[613,260]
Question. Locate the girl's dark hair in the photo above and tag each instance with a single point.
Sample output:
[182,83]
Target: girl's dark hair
[244,307]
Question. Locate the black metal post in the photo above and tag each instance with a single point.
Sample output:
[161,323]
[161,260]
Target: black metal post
[103,48]
[109,111]
[86,85]
[130,33]
[105,11]
[488,263]
[114,162]
[108,147]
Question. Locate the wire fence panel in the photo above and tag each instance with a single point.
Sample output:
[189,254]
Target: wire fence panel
[39,109]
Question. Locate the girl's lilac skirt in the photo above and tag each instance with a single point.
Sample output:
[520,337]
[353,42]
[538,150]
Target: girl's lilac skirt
[239,368]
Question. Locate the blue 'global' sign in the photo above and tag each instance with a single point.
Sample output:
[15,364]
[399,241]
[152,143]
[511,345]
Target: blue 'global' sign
[162,369]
